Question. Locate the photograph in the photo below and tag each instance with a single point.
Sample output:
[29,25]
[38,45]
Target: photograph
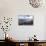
[25,20]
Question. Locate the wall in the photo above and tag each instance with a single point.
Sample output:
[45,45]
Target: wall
[45,29]
[13,8]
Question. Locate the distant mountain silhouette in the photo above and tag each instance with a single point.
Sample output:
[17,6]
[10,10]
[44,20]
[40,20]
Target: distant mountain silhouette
[25,22]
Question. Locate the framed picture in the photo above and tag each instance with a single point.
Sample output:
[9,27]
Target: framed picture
[25,20]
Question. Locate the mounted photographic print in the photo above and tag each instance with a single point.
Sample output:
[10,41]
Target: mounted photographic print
[25,19]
